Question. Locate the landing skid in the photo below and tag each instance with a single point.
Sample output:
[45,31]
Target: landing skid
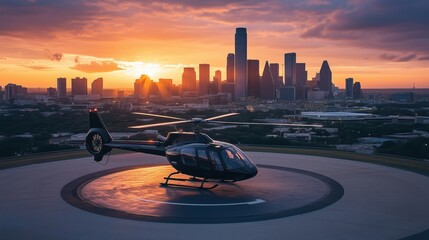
[193,179]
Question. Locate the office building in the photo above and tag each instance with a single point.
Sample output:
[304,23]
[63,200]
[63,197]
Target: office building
[165,87]
[11,91]
[267,84]
[204,78]
[217,82]
[253,86]
[301,82]
[97,86]
[290,69]
[230,68]
[325,83]
[62,87]
[240,63]
[189,80]
[287,93]
[79,86]
[349,88]
[274,68]
[142,86]
[357,91]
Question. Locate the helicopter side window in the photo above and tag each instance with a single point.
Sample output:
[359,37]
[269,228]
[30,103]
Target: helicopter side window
[189,156]
[214,157]
[242,156]
[203,159]
[232,159]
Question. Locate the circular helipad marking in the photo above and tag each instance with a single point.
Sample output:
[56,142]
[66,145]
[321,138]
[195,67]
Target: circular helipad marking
[256,201]
[135,193]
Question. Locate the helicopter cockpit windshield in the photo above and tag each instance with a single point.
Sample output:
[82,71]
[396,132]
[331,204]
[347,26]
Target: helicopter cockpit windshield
[234,158]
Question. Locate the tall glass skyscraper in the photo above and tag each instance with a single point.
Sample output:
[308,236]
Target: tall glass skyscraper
[253,87]
[325,83]
[61,87]
[240,88]
[230,68]
[204,77]
[290,69]
[349,87]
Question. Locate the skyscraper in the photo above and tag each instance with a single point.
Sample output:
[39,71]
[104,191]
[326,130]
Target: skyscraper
[165,87]
[301,82]
[189,80]
[217,82]
[97,86]
[274,68]
[325,83]
[230,68]
[240,63]
[204,77]
[79,86]
[357,91]
[268,87]
[253,87]
[11,91]
[290,69]
[349,87]
[62,87]
[142,86]
[301,74]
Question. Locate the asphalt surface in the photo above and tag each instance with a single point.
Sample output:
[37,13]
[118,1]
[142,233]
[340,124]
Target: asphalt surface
[378,203]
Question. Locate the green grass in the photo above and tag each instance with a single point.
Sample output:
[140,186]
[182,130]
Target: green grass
[417,166]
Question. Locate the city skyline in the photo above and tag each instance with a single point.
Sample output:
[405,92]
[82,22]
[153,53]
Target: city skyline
[380,52]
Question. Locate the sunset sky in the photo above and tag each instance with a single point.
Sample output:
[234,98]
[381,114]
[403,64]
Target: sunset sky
[381,43]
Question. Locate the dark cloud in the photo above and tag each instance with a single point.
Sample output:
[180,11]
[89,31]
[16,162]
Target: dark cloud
[399,58]
[42,18]
[394,26]
[95,67]
[387,56]
[424,58]
[400,26]
[56,57]
[77,60]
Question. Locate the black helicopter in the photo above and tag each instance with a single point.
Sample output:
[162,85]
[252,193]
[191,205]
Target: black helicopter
[191,153]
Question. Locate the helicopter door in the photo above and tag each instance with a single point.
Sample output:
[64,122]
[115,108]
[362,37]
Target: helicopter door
[203,160]
[215,159]
[188,156]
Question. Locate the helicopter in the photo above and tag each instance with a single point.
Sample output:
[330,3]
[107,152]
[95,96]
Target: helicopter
[191,153]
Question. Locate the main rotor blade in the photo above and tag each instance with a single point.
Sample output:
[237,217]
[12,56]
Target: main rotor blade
[157,115]
[221,116]
[268,124]
[160,124]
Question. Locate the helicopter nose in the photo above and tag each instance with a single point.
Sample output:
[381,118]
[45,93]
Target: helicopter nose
[254,171]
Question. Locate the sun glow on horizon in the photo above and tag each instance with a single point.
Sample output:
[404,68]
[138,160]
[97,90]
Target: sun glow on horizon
[136,69]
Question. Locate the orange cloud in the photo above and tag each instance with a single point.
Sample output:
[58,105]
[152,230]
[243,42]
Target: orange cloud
[37,67]
[95,67]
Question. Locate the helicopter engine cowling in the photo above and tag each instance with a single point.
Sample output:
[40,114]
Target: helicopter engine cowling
[95,143]
[161,138]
